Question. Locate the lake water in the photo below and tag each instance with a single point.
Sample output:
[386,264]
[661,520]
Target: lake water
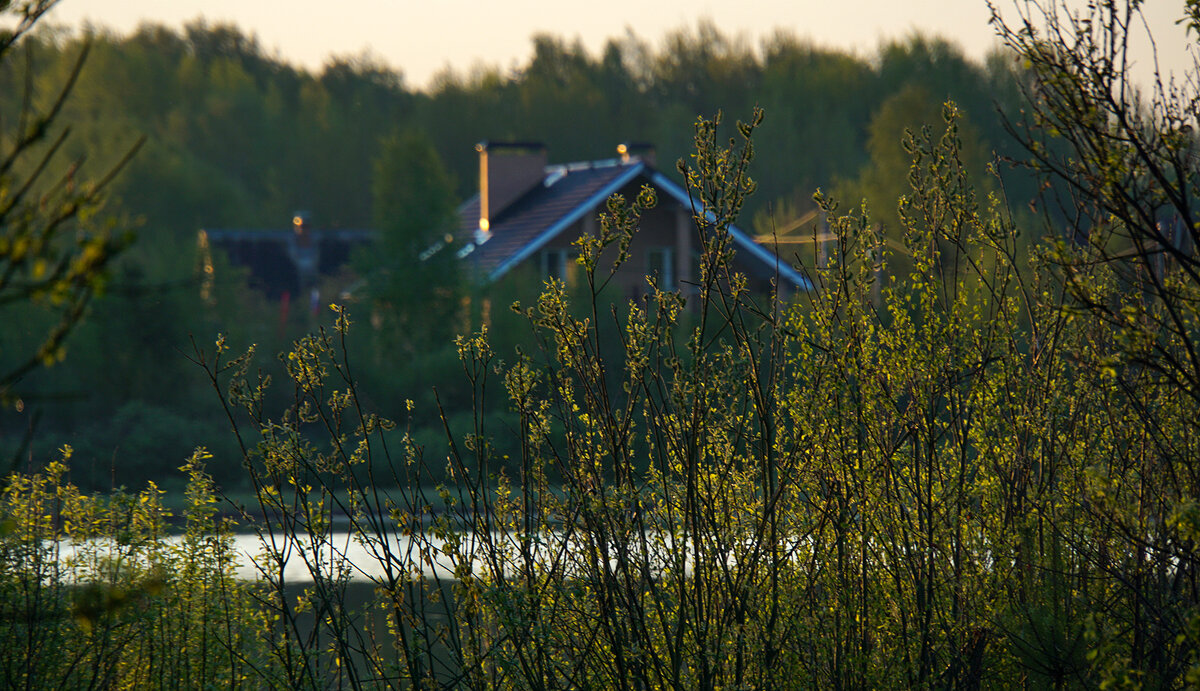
[365,561]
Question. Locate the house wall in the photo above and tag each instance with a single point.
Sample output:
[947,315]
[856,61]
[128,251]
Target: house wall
[666,232]
[668,227]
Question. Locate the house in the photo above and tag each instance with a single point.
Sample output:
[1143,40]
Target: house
[527,214]
[285,263]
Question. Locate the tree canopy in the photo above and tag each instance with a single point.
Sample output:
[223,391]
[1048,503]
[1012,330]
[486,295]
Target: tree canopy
[236,138]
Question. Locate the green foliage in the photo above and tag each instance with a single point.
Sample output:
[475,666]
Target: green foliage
[54,251]
[941,481]
[137,442]
[978,472]
[413,275]
[98,581]
[255,138]
[1122,160]
[236,138]
[885,181]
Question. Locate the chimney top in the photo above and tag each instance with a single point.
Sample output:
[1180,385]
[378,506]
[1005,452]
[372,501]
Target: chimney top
[643,151]
[301,222]
[507,170]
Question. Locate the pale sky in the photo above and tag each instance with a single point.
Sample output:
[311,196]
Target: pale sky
[421,38]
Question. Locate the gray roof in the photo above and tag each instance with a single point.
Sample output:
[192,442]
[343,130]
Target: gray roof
[568,193]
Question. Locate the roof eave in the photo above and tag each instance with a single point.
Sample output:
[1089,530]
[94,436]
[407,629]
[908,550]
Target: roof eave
[782,268]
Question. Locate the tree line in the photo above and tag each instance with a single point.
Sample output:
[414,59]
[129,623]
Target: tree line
[235,137]
[227,122]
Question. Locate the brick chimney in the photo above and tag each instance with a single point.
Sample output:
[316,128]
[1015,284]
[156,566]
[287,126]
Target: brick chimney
[507,170]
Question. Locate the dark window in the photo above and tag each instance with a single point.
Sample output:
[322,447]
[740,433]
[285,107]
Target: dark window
[560,264]
[660,263]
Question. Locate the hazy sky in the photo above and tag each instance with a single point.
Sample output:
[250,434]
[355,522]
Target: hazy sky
[420,38]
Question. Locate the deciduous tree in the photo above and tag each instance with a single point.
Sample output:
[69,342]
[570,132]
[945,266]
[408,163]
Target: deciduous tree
[413,275]
[54,248]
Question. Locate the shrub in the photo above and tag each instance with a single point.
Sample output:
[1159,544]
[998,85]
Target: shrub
[94,592]
[938,479]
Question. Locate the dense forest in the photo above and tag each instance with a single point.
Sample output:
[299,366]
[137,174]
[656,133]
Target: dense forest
[233,137]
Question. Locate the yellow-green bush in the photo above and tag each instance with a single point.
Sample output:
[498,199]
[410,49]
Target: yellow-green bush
[98,593]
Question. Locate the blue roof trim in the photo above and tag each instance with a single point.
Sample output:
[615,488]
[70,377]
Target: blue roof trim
[744,241]
[467,203]
[561,224]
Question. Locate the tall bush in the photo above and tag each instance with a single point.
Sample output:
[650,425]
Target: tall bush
[96,592]
[940,478]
